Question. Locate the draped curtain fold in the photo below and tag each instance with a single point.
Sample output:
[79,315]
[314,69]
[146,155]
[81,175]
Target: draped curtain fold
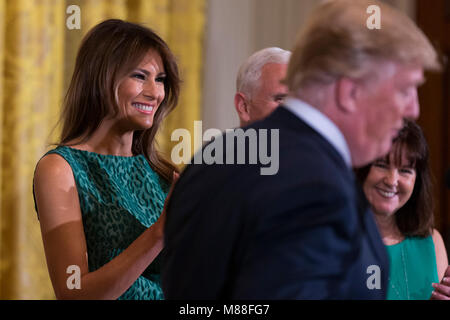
[37,55]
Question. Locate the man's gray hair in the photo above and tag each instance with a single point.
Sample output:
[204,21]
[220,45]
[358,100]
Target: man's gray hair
[250,71]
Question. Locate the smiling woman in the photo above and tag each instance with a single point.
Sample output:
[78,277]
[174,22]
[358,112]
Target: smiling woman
[398,188]
[100,194]
[390,183]
[108,70]
[141,93]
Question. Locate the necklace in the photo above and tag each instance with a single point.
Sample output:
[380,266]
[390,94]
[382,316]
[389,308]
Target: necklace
[406,276]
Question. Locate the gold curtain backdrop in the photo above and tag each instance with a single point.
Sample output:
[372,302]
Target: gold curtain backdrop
[37,55]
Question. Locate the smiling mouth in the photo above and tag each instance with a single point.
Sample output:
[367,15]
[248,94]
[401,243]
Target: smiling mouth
[143,107]
[386,194]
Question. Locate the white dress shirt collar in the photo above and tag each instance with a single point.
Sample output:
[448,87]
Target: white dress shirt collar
[322,124]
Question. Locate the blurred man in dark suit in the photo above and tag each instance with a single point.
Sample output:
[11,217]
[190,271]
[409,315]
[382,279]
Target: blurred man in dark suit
[304,232]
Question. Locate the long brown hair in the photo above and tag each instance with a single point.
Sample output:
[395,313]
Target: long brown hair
[107,53]
[415,218]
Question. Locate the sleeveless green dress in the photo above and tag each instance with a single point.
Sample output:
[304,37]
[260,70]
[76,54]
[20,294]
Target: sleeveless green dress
[120,197]
[412,269]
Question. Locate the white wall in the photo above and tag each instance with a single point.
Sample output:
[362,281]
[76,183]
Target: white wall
[237,28]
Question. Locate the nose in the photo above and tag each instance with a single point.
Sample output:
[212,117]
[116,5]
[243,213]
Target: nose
[412,110]
[149,89]
[391,178]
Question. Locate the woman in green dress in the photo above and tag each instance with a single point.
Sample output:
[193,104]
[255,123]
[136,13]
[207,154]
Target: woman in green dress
[398,188]
[100,193]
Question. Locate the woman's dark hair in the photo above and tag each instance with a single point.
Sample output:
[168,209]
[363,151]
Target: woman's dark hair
[415,218]
[109,52]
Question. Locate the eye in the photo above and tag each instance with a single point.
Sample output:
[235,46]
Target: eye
[406,170]
[139,76]
[380,164]
[279,98]
[161,78]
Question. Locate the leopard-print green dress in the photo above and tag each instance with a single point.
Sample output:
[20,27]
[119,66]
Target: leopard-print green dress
[120,197]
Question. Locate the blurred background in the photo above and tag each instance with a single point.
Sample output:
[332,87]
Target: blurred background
[210,39]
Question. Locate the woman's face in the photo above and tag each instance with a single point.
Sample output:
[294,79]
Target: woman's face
[141,92]
[389,186]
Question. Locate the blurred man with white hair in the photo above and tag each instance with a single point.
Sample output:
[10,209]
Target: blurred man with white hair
[258,85]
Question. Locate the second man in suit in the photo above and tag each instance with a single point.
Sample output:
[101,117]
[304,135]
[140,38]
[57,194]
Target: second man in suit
[259,89]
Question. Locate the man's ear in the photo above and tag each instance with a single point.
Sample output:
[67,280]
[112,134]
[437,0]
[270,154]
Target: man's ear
[242,107]
[345,96]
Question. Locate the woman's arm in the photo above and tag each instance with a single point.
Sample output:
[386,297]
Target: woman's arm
[441,254]
[441,290]
[64,240]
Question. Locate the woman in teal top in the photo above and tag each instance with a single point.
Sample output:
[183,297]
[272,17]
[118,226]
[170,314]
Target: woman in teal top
[100,194]
[398,188]
[412,269]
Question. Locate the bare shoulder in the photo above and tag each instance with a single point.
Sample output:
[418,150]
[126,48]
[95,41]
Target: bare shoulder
[438,243]
[53,168]
[55,192]
[437,238]
[441,253]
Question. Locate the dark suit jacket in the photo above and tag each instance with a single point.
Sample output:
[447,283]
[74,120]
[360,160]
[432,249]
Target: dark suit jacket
[303,233]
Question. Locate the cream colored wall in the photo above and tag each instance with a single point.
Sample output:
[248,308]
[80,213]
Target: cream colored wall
[237,28]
